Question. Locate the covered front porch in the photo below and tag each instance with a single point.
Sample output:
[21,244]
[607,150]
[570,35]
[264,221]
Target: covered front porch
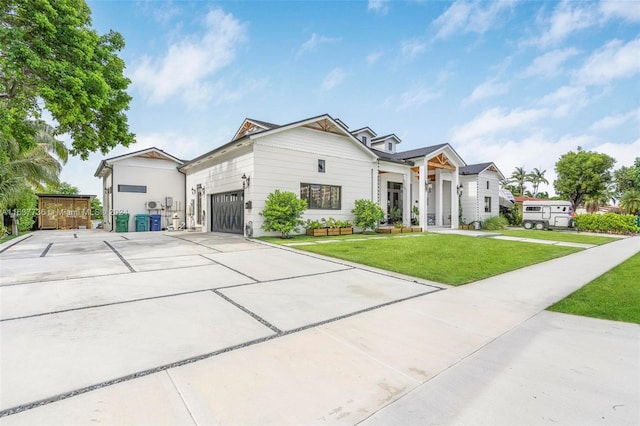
[423,193]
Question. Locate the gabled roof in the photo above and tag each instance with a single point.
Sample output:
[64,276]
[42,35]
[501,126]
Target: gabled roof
[153,153]
[385,137]
[368,129]
[420,152]
[476,169]
[323,122]
[250,125]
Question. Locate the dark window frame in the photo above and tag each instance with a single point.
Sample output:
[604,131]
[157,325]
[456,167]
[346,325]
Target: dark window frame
[322,166]
[312,201]
[487,204]
[138,189]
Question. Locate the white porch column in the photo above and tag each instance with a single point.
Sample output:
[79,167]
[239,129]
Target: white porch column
[438,198]
[406,197]
[422,199]
[455,201]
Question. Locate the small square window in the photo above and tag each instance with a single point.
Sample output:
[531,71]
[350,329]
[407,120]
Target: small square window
[321,168]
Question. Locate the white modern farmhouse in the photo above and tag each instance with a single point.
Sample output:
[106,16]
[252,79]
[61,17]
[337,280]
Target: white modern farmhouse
[319,159]
[329,166]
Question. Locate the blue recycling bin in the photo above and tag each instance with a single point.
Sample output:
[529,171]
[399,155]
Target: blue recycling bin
[156,222]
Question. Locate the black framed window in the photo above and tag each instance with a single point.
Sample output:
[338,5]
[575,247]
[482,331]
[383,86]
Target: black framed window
[390,147]
[487,184]
[142,189]
[487,204]
[321,197]
[321,166]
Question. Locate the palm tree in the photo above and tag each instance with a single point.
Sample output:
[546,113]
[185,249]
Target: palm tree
[32,167]
[519,177]
[630,201]
[536,177]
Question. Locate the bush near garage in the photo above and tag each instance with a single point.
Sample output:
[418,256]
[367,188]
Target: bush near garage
[608,223]
[283,212]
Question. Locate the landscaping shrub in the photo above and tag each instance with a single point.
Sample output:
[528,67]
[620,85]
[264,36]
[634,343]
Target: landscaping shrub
[368,214]
[283,212]
[513,217]
[495,223]
[608,222]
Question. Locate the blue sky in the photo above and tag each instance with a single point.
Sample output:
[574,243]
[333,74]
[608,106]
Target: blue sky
[518,83]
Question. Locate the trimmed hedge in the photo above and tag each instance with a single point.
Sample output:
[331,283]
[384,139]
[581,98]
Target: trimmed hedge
[608,222]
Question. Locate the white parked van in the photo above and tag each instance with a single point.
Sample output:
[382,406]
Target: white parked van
[547,214]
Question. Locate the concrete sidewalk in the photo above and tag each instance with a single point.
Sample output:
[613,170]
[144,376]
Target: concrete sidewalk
[386,364]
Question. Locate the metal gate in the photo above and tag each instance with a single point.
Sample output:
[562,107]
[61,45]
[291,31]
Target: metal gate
[227,212]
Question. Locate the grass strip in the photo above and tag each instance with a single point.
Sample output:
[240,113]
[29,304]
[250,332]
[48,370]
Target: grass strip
[614,295]
[449,259]
[568,237]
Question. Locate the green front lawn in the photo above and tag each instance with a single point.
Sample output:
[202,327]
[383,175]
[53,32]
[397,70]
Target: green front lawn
[613,296]
[569,237]
[449,259]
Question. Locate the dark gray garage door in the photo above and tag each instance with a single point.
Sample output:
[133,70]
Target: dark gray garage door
[227,212]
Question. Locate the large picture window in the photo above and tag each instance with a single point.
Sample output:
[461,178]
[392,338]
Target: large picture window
[321,197]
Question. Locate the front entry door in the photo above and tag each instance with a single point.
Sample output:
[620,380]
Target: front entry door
[227,212]
[394,198]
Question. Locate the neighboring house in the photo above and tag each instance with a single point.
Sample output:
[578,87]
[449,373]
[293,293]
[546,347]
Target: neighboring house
[479,194]
[324,163]
[142,182]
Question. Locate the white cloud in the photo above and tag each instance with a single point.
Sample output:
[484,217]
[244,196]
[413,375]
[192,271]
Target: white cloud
[184,69]
[374,57]
[626,10]
[314,41]
[568,17]
[549,64]
[624,153]
[565,100]
[613,121]
[488,89]
[466,17]
[412,48]
[417,96]
[495,121]
[378,6]
[334,78]
[615,60]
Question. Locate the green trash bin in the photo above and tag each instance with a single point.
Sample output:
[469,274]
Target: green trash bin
[142,222]
[122,222]
[638,219]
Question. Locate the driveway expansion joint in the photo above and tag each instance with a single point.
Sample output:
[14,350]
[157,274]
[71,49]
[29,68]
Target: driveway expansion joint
[249,312]
[16,242]
[46,250]
[127,264]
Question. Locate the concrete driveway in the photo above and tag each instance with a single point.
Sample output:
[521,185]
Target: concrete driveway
[186,328]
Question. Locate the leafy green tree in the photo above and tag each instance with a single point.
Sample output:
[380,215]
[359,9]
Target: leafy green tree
[536,177]
[519,178]
[368,214]
[96,209]
[283,212]
[582,174]
[51,58]
[33,167]
[630,201]
[62,188]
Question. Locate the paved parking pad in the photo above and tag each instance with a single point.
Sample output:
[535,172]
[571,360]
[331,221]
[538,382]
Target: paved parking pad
[54,296]
[298,302]
[275,263]
[35,269]
[49,355]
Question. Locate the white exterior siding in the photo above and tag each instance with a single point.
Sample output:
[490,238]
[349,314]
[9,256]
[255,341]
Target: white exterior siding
[161,178]
[218,175]
[492,192]
[287,159]
[475,190]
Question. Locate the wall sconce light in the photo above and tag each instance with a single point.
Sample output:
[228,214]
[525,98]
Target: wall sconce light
[459,188]
[193,191]
[246,181]
[429,185]
[200,191]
